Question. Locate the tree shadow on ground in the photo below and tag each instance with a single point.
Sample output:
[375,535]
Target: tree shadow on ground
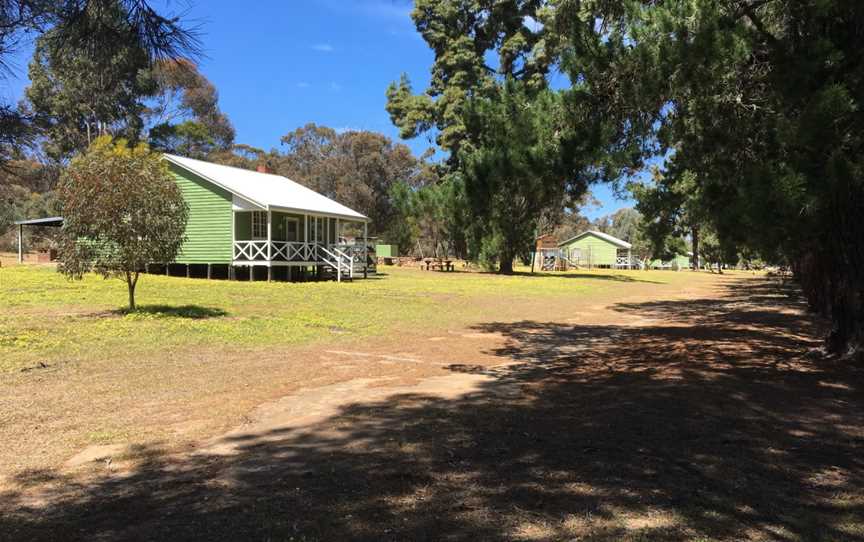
[194,312]
[707,423]
[564,275]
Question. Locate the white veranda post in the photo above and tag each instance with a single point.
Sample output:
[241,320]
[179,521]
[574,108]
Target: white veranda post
[365,247]
[269,244]
[629,258]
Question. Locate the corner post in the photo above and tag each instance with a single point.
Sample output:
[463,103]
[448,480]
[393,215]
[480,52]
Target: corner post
[269,235]
[233,234]
[365,249]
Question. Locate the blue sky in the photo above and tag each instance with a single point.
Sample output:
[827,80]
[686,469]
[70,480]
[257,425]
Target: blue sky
[279,64]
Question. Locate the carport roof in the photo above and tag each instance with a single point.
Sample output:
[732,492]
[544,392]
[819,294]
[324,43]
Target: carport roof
[53,221]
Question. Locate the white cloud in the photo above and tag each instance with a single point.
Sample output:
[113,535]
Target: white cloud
[323,48]
[344,129]
[335,87]
[303,84]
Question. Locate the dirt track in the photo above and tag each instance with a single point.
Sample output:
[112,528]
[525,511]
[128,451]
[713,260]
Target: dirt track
[667,415]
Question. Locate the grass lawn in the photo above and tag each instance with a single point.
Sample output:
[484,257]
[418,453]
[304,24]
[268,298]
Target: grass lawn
[47,319]
[78,370]
[419,405]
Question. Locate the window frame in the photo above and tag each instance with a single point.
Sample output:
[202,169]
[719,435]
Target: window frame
[260,223]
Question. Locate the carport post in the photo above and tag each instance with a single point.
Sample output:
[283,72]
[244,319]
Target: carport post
[20,243]
[365,247]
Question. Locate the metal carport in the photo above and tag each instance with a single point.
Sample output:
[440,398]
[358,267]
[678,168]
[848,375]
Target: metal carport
[50,222]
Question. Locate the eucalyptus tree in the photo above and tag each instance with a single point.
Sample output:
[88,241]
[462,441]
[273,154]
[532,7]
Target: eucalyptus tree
[355,167]
[184,114]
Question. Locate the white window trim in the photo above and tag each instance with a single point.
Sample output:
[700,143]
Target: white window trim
[262,224]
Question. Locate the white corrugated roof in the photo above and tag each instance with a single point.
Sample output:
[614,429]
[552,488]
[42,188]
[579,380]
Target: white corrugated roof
[605,236]
[265,189]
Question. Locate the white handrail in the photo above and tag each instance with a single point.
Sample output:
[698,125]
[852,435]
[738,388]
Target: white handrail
[349,261]
[336,262]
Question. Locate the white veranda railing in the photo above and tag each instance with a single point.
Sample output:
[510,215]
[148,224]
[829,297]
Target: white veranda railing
[346,259]
[280,251]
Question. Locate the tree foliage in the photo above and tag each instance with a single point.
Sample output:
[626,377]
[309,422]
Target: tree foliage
[122,210]
[78,95]
[761,102]
[514,170]
[26,192]
[185,114]
[673,209]
[426,220]
[490,85]
[356,168]
[83,34]
[463,34]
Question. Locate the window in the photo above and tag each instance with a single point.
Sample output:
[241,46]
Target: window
[318,229]
[292,229]
[259,225]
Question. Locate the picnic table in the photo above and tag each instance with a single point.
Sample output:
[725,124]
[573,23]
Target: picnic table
[439,264]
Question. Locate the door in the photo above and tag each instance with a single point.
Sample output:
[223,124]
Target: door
[292,229]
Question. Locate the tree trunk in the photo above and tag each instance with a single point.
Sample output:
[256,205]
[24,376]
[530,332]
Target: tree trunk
[505,266]
[845,294]
[694,237]
[131,282]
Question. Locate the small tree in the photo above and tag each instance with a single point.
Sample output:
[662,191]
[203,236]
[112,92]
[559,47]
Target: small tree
[121,211]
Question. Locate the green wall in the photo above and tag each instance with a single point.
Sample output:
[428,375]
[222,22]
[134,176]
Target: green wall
[386,251]
[594,251]
[208,228]
[679,261]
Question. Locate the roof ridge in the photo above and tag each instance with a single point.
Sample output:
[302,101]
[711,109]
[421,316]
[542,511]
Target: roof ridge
[603,235]
[227,166]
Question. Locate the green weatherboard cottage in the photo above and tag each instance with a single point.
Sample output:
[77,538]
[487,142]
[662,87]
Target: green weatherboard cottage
[254,220]
[597,249]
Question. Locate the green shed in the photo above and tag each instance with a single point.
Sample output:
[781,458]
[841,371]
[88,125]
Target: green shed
[597,249]
[386,251]
[680,261]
